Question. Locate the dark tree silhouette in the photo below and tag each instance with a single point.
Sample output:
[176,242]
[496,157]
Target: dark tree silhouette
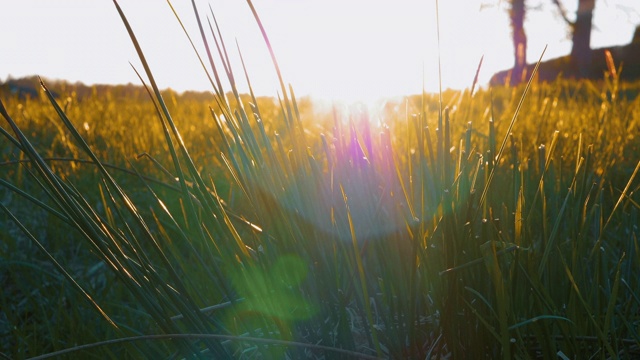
[517,10]
[580,34]
[583,62]
[517,14]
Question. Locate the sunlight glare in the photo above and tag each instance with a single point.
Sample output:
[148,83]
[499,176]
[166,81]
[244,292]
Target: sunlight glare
[389,50]
[350,51]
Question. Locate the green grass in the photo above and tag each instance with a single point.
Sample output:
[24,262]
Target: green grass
[156,225]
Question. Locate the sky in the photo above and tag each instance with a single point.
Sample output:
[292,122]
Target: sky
[332,49]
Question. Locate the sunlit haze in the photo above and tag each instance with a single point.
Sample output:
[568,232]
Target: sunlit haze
[334,49]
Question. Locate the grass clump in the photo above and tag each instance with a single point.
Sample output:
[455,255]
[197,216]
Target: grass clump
[504,226]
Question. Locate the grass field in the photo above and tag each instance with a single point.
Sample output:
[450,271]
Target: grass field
[496,224]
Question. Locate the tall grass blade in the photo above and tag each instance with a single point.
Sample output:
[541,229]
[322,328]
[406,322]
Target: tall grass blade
[498,156]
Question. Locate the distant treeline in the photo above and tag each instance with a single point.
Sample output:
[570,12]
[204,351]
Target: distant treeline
[29,87]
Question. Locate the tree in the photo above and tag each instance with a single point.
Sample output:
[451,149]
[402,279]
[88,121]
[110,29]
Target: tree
[517,10]
[516,14]
[580,34]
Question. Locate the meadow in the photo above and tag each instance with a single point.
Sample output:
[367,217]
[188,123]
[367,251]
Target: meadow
[486,223]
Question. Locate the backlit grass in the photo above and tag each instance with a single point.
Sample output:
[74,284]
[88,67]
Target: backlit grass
[501,224]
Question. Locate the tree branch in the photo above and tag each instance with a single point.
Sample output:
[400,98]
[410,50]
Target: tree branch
[563,12]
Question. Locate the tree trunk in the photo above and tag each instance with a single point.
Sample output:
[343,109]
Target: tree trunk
[519,41]
[581,50]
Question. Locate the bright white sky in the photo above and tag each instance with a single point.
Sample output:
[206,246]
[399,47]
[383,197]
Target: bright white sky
[340,49]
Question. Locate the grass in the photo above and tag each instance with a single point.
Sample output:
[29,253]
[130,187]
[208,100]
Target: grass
[140,223]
